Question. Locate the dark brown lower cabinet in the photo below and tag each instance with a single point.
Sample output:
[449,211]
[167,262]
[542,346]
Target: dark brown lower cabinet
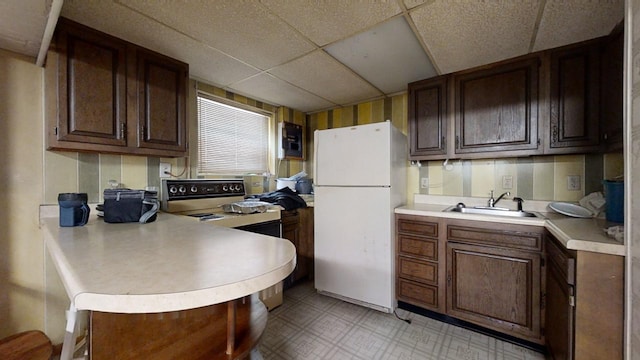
[515,280]
[485,274]
[584,304]
[560,301]
[420,262]
[495,287]
[297,227]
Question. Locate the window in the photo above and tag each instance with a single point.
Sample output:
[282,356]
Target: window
[231,140]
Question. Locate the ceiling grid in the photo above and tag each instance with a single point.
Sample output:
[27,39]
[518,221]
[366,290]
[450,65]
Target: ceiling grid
[314,55]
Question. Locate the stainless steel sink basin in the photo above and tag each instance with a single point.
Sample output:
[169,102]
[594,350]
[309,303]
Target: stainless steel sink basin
[490,211]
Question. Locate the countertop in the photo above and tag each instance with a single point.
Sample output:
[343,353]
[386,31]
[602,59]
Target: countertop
[171,264]
[573,233]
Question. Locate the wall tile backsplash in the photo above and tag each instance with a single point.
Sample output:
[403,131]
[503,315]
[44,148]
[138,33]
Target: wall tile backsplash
[91,173]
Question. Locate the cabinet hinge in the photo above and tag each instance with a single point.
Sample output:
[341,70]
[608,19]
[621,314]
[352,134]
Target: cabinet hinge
[543,300]
[444,142]
[143,130]
[572,296]
[449,279]
[539,141]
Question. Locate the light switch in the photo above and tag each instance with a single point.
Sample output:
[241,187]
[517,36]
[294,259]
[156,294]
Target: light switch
[507,182]
[424,182]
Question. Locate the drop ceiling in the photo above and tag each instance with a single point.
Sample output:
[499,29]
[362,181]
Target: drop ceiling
[314,55]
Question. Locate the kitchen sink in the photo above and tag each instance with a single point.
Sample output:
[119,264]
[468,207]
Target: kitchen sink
[485,210]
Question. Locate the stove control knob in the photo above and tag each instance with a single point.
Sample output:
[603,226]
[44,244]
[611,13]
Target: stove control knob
[225,188]
[182,189]
[238,187]
[194,188]
[173,189]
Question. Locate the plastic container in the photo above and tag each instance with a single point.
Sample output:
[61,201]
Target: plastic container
[304,186]
[614,195]
[283,183]
[74,210]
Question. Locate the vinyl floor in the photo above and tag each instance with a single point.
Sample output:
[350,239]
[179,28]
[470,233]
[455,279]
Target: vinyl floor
[312,326]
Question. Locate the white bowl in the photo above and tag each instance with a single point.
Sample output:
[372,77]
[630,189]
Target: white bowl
[283,183]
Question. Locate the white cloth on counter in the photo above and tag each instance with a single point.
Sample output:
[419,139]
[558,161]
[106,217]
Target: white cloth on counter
[593,202]
[616,232]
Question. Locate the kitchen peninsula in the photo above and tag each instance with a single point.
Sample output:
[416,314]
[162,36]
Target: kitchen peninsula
[171,288]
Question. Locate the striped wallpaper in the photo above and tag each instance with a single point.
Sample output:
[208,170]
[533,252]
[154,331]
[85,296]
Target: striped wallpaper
[537,178]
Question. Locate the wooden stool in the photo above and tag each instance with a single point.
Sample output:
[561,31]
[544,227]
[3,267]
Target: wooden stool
[28,345]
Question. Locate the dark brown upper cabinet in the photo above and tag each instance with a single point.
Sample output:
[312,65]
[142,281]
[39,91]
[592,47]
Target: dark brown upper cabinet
[496,109]
[574,99]
[90,72]
[104,94]
[611,91]
[428,118]
[161,97]
[566,100]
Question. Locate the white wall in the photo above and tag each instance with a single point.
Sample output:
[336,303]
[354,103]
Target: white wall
[21,179]
[632,177]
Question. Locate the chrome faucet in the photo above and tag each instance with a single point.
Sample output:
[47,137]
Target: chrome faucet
[493,202]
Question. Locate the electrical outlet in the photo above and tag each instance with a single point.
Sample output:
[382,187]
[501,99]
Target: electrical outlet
[507,182]
[424,182]
[165,170]
[573,182]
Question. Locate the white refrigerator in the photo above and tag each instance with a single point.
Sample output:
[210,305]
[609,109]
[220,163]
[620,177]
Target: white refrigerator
[359,178]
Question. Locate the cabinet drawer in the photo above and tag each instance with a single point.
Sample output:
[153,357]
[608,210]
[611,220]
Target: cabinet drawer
[416,227]
[290,217]
[562,261]
[417,294]
[526,240]
[418,270]
[411,245]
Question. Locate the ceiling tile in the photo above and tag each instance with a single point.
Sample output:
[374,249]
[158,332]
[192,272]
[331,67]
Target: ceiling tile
[243,29]
[389,56]
[205,62]
[322,75]
[324,24]
[25,35]
[566,22]
[410,4]
[265,87]
[465,34]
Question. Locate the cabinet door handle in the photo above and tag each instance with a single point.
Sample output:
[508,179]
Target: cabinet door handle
[123,130]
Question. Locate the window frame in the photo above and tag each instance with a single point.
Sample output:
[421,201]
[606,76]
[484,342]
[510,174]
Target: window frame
[270,134]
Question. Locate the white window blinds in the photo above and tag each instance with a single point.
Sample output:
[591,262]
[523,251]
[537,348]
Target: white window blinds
[231,140]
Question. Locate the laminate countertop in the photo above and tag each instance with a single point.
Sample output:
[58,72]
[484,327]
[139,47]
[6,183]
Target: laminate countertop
[583,234]
[171,264]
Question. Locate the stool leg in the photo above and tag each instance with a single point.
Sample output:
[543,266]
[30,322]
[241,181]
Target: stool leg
[69,343]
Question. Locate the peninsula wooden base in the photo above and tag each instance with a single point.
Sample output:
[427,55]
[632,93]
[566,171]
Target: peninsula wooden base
[223,331]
